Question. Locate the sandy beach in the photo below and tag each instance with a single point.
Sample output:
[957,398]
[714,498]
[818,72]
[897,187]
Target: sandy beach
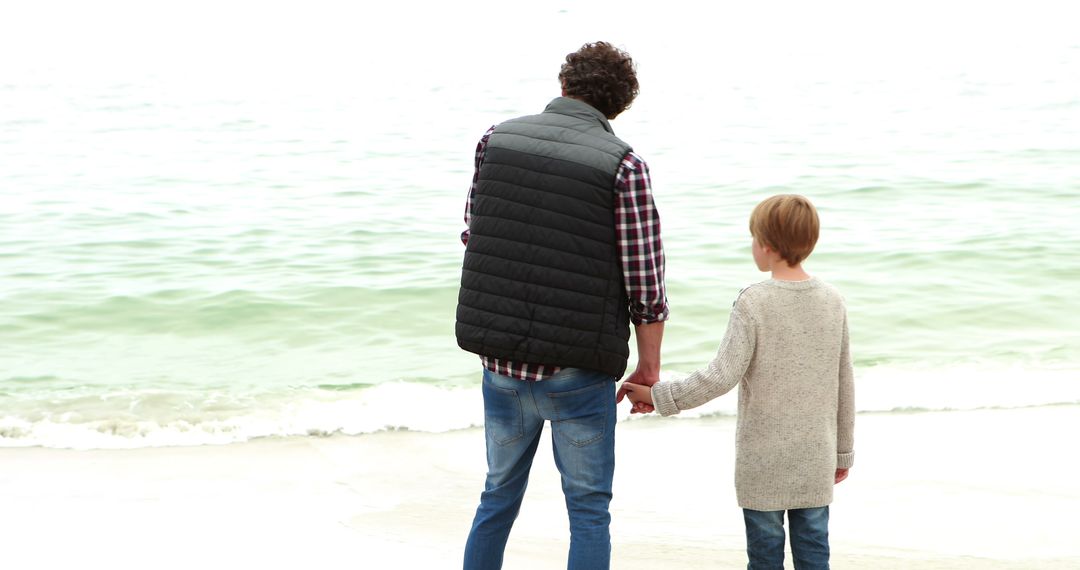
[926,492]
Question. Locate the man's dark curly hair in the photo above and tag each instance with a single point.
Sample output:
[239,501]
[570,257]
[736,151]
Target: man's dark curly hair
[601,75]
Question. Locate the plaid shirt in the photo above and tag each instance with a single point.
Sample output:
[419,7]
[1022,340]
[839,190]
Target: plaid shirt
[637,230]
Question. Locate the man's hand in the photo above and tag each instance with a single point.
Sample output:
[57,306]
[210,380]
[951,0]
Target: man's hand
[841,474]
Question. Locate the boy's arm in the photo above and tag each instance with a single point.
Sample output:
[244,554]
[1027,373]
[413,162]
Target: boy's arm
[723,373]
[845,411]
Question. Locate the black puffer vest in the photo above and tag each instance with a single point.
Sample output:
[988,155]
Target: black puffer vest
[541,281]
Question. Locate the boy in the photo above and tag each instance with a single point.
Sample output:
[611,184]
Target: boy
[786,346]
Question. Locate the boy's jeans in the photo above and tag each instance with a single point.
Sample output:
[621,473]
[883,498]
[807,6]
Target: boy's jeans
[809,538]
[580,405]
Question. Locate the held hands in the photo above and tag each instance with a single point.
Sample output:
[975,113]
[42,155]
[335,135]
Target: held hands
[638,387]
[640,396]
[841,474]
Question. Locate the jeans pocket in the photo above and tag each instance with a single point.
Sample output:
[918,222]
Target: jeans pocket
[581,415]
[502,414]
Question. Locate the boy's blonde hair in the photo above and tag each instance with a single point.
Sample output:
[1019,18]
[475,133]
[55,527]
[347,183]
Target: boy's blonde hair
[788,224]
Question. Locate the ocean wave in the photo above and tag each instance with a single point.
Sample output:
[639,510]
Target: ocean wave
[88,418]
[156,418]
[201,312]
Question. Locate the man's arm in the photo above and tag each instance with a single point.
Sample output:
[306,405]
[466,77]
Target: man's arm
[641,252]
[479,160]
[647,373]
[649,337]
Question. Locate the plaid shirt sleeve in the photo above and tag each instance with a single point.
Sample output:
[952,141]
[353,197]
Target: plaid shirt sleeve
[480,148]
[637,229]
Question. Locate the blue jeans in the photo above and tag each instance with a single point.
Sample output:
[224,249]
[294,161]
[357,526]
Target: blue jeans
[809,538]
[580,405]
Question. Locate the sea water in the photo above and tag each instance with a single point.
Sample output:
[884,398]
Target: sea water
[223,223]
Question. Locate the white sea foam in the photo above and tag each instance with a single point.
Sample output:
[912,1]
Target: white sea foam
[306,412]
[144,419]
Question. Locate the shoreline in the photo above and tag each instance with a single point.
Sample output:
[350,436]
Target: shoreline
[927,490]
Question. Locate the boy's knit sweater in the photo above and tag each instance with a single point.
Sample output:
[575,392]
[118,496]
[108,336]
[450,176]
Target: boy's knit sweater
[786,346]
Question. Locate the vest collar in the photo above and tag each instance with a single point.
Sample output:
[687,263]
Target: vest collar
[579,109]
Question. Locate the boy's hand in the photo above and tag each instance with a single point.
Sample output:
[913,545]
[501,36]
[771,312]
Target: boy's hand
[841,474]
[644,377]
[640,396]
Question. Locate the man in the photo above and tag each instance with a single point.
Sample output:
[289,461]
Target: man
[563,253]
